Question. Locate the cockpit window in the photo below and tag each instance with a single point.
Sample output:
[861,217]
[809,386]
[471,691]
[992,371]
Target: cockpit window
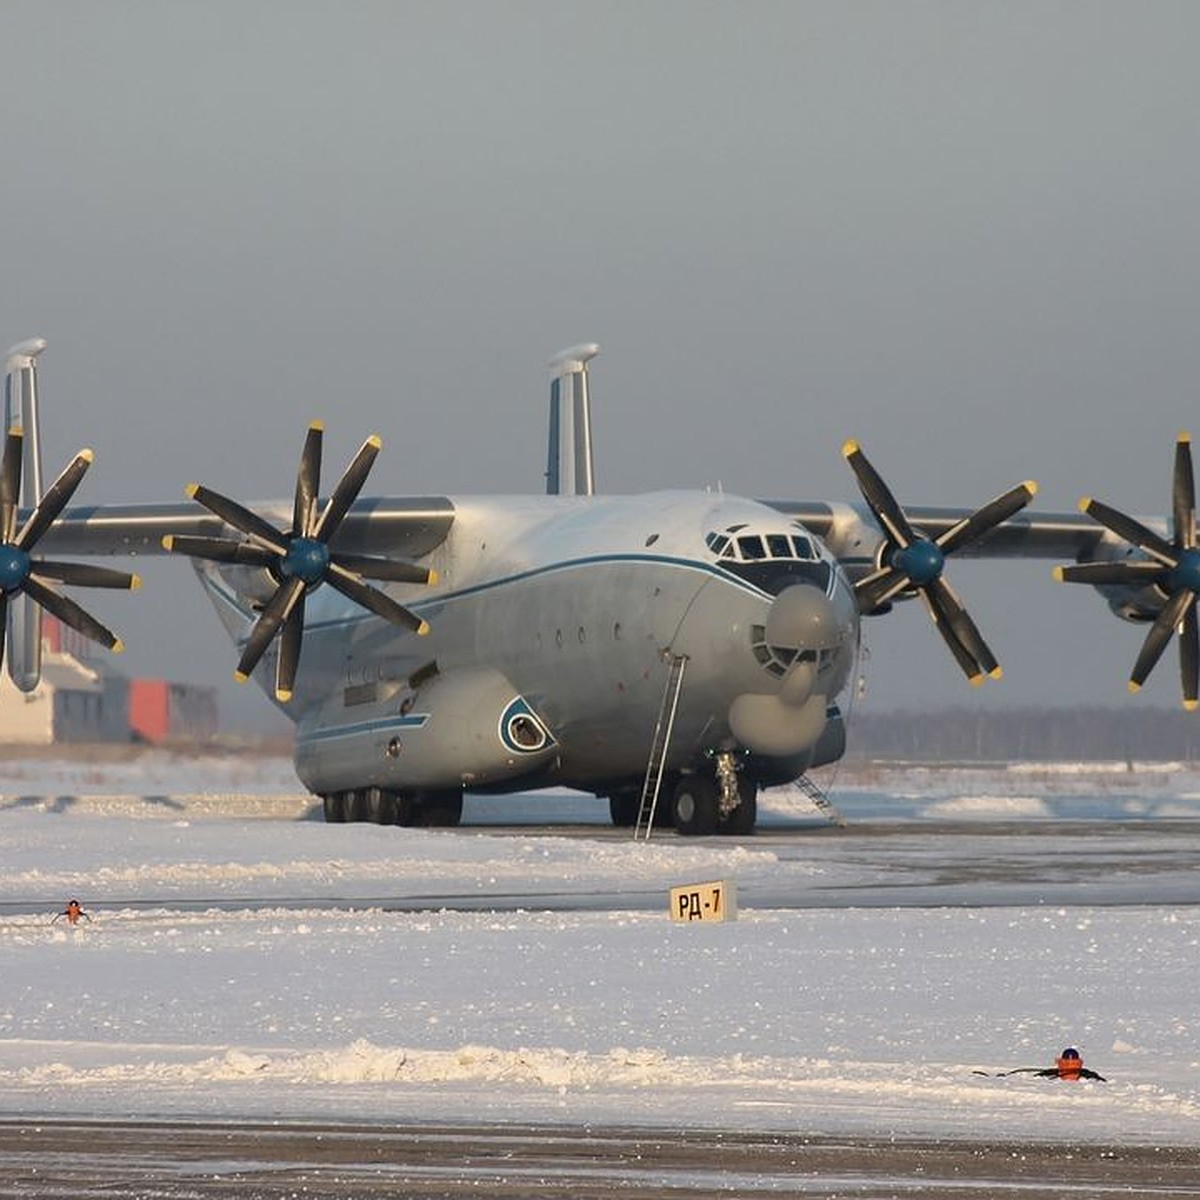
[753,547]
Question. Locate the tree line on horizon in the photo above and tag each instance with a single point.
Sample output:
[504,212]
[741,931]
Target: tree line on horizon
[1026,734]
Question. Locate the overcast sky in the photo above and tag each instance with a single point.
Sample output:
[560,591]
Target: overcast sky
[966,234]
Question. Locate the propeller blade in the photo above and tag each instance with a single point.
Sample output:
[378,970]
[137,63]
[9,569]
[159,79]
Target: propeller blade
[964,658]
[1130,530]
[951,609]
[1136,571]
[70,613]
[988,517]
[220,550]
[1189,659]
[238,516]
[375,601]
[58,494]
[308,482]
[85,575]
[289,652]
[387,569]
[1183,494]
[10,483]
[878,496]
[347,490]
[286,596]
[1159,635]
[879,587]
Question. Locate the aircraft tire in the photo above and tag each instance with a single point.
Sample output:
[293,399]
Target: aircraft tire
[331,803]
[694,806]
[382,806]
[743,818]
[354,805]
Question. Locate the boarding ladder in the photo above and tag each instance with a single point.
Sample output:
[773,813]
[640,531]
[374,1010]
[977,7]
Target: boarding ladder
[822,802]
[658,750]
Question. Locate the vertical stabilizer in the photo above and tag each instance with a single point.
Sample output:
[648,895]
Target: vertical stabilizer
[569,462]
[24,657]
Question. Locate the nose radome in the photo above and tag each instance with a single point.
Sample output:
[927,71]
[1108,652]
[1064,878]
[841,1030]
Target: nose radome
[802,618]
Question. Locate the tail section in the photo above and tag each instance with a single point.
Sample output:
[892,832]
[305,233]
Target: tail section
[569,462]
[24,656]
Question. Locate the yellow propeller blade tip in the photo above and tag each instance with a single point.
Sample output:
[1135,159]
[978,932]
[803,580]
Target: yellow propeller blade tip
[1134,687]
[997,673]
[240,676]
[319,426]
[16,431]
[1184,437]
[1085,502]
[975,680]
[849,447]
[282,695]
[375,440]
[87,454]
[1058,574]
[118,647]
[1031,486]
[168,542]
[434,577]
[1191,705]
[422,629]
[191,490]
[135,582]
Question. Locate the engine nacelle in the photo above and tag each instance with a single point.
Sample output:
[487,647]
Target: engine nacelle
[467,727]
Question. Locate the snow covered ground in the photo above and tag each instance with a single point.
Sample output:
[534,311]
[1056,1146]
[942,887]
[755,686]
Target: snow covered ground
[223,974]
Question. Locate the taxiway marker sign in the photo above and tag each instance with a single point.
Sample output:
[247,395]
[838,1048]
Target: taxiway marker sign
[704,901]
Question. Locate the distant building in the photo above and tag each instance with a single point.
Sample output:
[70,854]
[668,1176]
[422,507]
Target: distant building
[79,700]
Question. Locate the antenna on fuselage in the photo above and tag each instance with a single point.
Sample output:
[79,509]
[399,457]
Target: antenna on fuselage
[569,460]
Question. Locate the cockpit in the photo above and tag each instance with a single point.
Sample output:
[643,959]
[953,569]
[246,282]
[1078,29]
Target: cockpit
[735,546]
[771,559]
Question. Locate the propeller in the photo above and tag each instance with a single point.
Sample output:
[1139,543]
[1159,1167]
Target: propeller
[915,562]
[1172,566]
[21,572]
[301,559]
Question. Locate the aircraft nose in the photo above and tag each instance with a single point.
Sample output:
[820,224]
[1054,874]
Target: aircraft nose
[803,618]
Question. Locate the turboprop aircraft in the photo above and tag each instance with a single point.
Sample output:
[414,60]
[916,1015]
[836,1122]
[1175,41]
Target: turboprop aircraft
[688,645]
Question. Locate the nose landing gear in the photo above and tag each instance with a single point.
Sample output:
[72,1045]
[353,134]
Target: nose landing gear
[724,802]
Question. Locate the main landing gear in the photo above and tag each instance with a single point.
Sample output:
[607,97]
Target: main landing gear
[431,808]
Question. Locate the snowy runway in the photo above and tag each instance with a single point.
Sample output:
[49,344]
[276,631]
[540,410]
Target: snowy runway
[827,1020]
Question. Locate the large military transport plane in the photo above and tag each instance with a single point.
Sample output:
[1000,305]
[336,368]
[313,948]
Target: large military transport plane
[688,646]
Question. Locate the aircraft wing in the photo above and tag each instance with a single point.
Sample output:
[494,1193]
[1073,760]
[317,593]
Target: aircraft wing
[853,534]
[407,527]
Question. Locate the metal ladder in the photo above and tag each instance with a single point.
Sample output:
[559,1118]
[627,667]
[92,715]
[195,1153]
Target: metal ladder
[820,800]
[658,750]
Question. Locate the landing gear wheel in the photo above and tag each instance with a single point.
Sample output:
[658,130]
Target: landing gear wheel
[694,806]
[354,805]
[331,803]
[381,806]
[742,819]
[623,808]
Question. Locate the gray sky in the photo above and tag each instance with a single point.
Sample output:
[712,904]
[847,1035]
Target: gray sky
[966,234]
